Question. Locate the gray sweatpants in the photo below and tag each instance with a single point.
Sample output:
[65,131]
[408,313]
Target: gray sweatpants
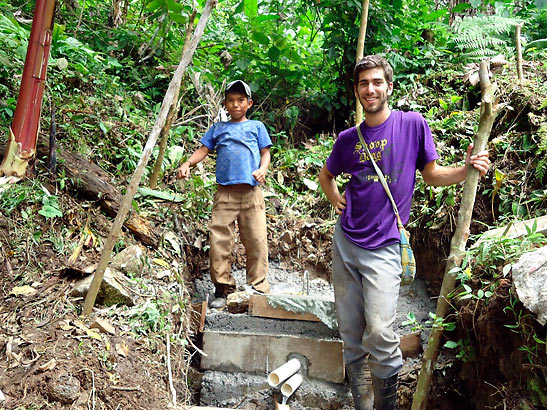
[366,287]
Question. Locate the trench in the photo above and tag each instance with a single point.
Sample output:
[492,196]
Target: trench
[243,348]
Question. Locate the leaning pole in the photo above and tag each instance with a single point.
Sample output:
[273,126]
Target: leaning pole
[488,112]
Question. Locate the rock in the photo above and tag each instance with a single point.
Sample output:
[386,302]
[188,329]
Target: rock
[112,289]
[530,282]
[64,388]
[130,260]
[238,302]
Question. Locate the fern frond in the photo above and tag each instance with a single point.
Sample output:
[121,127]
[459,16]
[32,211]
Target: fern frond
[479,36]
[541,169]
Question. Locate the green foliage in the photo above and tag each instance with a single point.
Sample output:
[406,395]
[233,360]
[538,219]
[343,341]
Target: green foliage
[478,37]
[30,193]
[50,207]
[433,322]
[466,352]
[150,317]
[493,254]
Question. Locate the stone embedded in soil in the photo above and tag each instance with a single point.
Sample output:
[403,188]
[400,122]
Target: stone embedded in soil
[530,280]
[130,260]
[64,388]
[238,302]
[112,289]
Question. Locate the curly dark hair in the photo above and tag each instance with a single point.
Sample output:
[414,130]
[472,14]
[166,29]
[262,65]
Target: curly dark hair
[372,61]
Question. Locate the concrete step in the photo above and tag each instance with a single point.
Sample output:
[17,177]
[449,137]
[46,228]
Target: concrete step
[261,353]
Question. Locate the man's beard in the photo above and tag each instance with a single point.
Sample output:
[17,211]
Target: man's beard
[382,102]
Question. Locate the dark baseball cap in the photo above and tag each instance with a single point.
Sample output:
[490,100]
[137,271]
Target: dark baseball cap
[239,86]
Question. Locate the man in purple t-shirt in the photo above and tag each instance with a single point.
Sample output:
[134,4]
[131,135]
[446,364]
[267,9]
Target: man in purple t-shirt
[366,258]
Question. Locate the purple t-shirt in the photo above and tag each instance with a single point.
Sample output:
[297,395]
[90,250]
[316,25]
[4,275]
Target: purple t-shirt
[400,145]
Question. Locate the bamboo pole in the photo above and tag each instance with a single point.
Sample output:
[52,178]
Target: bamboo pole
[518,50]
[488,114]
[359,54]
[172,111]
[137,175]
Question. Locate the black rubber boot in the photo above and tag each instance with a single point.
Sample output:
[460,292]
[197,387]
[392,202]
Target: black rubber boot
[361,385]
[385,393]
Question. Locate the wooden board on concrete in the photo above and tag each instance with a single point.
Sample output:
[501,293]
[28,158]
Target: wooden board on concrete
[261,353]
[259,306]
[197,316]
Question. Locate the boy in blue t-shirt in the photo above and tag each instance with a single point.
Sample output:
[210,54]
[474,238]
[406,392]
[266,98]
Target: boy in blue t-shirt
[243,157]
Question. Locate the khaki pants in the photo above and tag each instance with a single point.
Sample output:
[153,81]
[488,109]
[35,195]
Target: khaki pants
[245,204]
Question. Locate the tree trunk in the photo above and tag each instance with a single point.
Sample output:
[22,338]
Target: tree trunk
[93,183]
[21,147]
[147,151]
[359,54]
[457,245]
[172,111]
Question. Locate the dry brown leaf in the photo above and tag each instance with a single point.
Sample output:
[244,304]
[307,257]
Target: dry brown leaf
[23,291]
[65,325]
[122,349]
[48,365]
[103,326]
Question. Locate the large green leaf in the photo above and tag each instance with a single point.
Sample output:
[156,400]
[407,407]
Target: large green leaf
[178,18]
[243,63]
[435,15]
[251,8]
[274,53]
[260,37]
[267,17]
[174,6]
[155,5]
[168,196]
[240,7]
[461,7]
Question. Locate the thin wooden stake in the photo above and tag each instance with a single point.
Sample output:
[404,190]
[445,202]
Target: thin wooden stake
[137,175]
[359,54]
[518,50]
[457,245]
[172,111]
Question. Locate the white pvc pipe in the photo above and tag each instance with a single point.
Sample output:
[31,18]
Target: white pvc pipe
[283,372]
[291,385]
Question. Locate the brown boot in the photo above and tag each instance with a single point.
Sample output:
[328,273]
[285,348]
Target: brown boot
[361,385]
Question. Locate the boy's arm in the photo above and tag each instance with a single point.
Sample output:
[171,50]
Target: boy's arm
[328,184]
[260,173]
[438,175]
[197,156]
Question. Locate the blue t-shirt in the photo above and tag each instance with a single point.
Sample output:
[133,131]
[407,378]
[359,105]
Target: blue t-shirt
[400,145]
[238,146]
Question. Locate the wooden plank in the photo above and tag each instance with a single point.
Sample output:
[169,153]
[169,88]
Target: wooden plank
[262,353]
[259,306]
[197,316]
[516,230]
